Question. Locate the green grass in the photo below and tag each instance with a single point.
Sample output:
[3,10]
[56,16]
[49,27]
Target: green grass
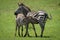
[7,19]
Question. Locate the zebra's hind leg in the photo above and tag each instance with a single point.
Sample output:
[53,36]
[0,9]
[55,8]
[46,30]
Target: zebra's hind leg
[42,25]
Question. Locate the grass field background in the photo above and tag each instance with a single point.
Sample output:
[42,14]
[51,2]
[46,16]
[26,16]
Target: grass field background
[7,19]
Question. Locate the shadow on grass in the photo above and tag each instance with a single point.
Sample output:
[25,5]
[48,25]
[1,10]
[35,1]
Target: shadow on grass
[46,37]
[39,36]
[32,37]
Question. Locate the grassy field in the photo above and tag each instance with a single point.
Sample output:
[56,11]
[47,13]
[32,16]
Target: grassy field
[7,19]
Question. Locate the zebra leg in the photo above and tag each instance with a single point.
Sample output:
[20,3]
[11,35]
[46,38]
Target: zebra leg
[22,31]
[42,29]
[42,25]
[26,30]
[34,30]
[19,31]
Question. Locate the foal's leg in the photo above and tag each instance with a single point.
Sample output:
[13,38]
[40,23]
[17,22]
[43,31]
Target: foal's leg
[34,30]
[19,31]
[26,31]
[42,25]
[22,31]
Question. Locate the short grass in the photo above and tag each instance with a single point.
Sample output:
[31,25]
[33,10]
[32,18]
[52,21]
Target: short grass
[7,19]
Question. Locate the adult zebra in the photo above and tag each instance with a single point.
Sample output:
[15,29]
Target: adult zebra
[39,17]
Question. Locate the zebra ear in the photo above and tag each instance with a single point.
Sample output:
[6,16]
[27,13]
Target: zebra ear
[18,4]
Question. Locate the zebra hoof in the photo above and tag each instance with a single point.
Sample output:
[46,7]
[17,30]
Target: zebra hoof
[41,36]
[36,35]
[24,35]
[28,35]
[19,35]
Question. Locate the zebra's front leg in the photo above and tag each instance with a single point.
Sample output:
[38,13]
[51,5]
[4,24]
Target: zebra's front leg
[34,30]
[16,28]
[19,31]
[22,31]
[27,33]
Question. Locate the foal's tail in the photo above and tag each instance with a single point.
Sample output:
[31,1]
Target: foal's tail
[19,21]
